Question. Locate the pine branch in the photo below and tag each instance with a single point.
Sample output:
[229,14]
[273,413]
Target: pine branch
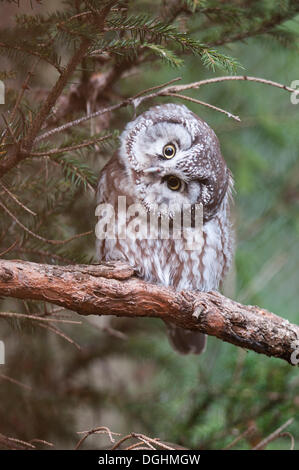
[130,49]
[152,31]
[267,26]
[77,172]
[25,51]
[55,93]
[112,289]
[14,156]
[203,103]
[17,200]
[59,150]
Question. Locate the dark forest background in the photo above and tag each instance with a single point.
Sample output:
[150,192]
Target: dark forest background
[126,376]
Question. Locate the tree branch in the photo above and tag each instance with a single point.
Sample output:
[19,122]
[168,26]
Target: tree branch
[113,289]
[137,99]
[15,155]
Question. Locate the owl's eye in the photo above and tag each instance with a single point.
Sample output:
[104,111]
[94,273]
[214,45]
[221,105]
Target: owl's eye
[173,183]
[169,151]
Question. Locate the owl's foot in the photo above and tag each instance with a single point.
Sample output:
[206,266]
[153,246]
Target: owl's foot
[198,309]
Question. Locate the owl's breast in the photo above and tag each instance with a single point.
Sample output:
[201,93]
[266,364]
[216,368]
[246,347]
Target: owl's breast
[169,262]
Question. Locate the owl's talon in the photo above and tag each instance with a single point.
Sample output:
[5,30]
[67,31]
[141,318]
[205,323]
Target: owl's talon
[199,308]
[198,311]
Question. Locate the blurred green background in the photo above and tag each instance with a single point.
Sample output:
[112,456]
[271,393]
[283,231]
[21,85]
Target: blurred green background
[135,381]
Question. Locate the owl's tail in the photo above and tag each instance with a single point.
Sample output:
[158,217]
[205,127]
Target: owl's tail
[186,341]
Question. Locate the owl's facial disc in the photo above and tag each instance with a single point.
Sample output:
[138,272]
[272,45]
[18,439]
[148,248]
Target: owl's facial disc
[160,150]
[173,157]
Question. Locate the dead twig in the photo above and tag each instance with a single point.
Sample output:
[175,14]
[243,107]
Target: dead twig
[164,91]
[98,430]
[38,318]
[14,381]
[39,237]
[241,436]
[274,435]
[17,200]
[61,334]
[203,103]
[59,150]
[11,247]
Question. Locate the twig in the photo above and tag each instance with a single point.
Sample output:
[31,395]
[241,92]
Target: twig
[19,441]
[42,441]
[121,441]
[148,441]
[6,441]
[288,434]
[261,445]
[157,87]
[265,27]
[144,440]
[12,159]
[60,333]
[41,253]
[99,430]
[246,433]
[107,329]
[55,93]
[14,381]
[140,446]
[137,446]
[8,249]
[32,52]
[39,237]
[65,75]
[208,81]
[162,92]
[8,128]
[155,441]
[71,148]
[35,317]
[203,103]
[78,121]
[24,87]
[17,200]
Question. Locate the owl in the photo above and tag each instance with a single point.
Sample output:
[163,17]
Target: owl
[169,158]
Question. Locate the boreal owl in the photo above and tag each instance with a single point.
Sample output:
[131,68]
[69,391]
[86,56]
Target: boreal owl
[169,159]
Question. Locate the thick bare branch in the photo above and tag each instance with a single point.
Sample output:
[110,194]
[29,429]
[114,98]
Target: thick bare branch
[113,289]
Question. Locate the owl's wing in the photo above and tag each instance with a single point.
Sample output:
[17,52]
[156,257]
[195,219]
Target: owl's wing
[104,181]
[111,184]
[103,195]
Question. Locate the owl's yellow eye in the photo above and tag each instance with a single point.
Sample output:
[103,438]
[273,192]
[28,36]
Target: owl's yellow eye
[169,151]
[174,183]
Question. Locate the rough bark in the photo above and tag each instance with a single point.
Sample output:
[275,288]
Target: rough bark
[113,289]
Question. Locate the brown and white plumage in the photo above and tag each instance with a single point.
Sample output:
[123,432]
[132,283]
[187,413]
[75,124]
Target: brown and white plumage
[141,173]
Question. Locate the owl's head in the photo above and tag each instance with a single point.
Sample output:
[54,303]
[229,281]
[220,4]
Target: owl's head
[173,157]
